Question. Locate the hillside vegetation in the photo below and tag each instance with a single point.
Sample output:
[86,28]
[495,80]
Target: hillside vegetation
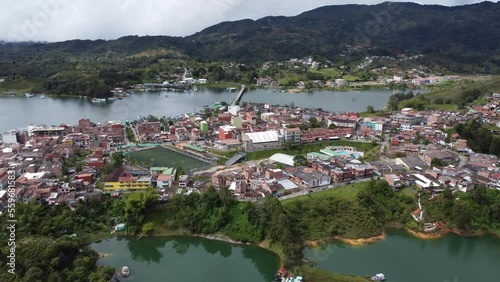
[459,39]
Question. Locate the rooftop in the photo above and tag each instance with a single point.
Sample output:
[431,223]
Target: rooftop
[263,137]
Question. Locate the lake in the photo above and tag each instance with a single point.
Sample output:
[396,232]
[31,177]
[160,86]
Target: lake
[187,259]
[19,111]
[404,258]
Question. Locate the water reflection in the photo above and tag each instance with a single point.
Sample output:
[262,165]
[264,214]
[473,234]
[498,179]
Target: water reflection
[213,248]
[146,250]
[262,263]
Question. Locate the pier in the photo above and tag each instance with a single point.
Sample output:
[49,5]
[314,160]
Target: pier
[239,96]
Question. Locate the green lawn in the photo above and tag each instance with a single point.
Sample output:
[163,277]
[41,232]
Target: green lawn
[410,191]
[165,157]
[328,73]
[318,275]
[443,107]
[308,148]
[22,85]
[348,192]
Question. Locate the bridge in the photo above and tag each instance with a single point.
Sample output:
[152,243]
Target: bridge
[236,158]
[239,96]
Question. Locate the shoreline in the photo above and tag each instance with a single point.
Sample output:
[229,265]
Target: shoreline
[348,241]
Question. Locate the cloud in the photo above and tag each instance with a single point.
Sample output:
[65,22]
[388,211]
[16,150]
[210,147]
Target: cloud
[58,20]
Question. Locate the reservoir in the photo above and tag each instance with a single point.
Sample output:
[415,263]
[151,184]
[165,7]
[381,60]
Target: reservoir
[187,259]
[404,258]
[20,111]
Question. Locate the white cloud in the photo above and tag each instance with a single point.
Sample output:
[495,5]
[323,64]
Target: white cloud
[57,20]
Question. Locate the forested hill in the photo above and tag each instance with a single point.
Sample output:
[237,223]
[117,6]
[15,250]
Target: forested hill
[453,36]
[467,34]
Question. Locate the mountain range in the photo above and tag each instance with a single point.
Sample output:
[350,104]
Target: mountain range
[459,35]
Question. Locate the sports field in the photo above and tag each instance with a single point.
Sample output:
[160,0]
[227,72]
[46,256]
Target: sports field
[160,156]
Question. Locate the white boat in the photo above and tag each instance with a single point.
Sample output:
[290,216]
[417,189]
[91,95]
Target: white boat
[187,91]
[378,277]
[195,88]
[125,271]
[111,99]
[98,100]
[29,95]
[42,96]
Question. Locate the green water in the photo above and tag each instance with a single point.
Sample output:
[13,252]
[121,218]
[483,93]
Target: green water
[404,258]
[187,259]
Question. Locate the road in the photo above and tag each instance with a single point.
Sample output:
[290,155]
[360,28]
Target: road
[337,185]
[463,160]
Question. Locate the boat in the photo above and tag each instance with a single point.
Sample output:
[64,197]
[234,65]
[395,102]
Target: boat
[125,271]
[166,95]
[195,88]
[231,89]
[378,277]
[42,96]
[98,100]
[29,95]
[111,99]
[187,91]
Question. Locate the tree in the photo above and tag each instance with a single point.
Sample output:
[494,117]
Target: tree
[435,162]
[178,172]
[118,158]
[148,228]
[370,109]
[300,160]
[332,126]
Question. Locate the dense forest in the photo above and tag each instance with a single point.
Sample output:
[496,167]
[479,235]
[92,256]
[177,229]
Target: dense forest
[47,250]
[477,211]
[479,137]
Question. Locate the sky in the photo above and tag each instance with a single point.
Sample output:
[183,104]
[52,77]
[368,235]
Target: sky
[59,20]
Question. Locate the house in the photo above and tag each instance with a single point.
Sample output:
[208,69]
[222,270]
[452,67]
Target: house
[393,180]
[444,156]
[202,80]
[412,163]
[309,177]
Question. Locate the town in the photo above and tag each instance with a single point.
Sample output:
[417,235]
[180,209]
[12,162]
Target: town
[254,149]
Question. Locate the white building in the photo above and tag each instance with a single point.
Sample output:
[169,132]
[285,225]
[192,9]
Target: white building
[233,110]
[261,140]
[202,81]
[282,158]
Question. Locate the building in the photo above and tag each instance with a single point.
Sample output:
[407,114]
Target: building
[204,126]
[393,180]
[226,132]
[444,156]
[41,131]
[261,140]
[291,134]
[401,118]
[282,158]
[120,180]
[202,80]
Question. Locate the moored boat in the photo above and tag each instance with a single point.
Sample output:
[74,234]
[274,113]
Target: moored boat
[125,271]
[29,95]
[378,277]
[98,100]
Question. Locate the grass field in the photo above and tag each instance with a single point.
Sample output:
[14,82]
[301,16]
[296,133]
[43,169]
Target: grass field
[22,85]
[165,157]
[308,148]
[348,192]
[318,275]
[443,107]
